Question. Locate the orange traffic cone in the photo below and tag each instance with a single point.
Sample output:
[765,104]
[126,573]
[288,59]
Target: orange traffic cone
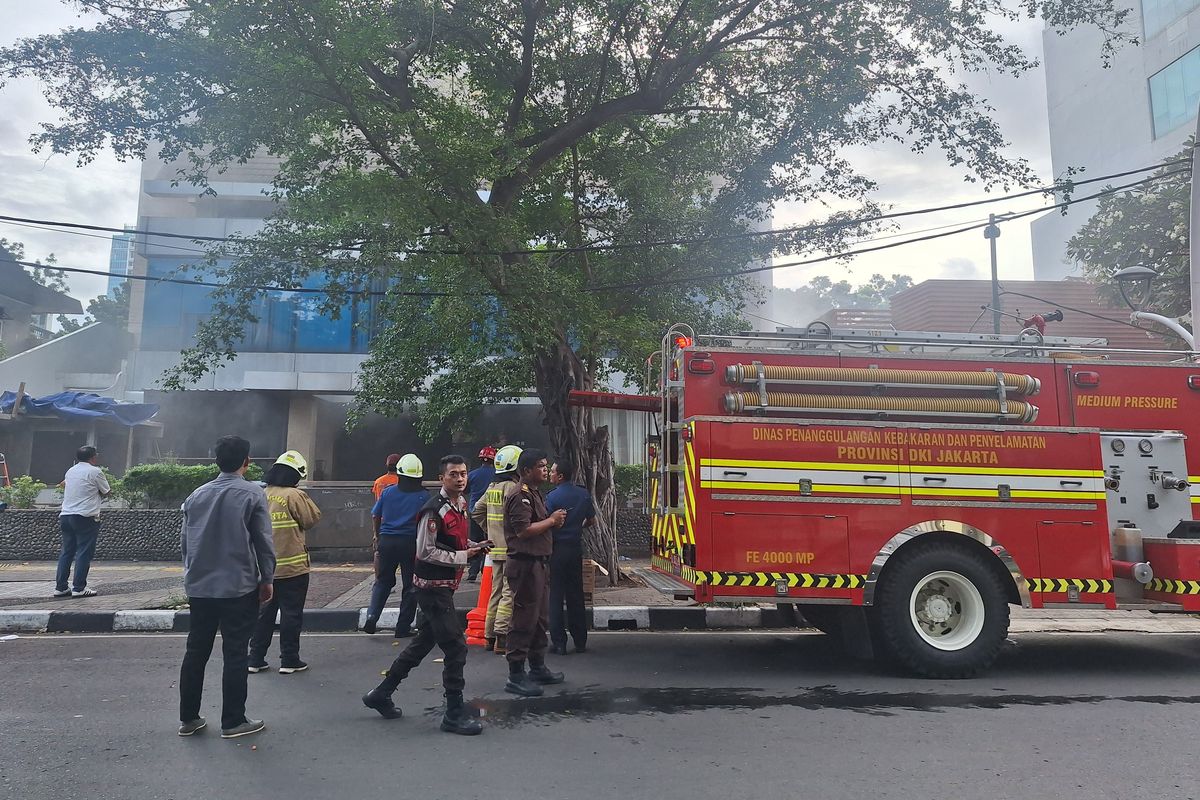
[477,615]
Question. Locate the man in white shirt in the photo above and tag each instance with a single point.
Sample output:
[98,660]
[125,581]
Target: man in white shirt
[84,488]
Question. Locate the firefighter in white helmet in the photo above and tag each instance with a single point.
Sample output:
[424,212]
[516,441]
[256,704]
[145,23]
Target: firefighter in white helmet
[292,513]
[488,514]
[395,544]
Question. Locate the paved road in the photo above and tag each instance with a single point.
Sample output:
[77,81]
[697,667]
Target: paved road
[757,715]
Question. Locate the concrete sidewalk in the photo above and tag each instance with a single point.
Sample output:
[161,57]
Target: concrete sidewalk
[147,585]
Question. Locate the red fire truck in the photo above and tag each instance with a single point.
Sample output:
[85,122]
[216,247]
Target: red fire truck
[904,488]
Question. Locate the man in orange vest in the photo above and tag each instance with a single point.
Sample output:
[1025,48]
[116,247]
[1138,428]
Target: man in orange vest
[388,478]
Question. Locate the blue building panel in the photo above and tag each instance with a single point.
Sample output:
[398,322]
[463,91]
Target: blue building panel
[288,322]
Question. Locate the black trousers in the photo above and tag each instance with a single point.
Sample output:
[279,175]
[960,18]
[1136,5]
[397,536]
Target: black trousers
[439,626]
[395,552]
[566,588]
[235,618]
[530,583]
[288,600]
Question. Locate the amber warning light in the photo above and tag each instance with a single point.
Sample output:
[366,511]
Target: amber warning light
[683,341]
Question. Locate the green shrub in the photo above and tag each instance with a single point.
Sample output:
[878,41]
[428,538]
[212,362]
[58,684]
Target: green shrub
[166,485]
[22,493]
[628,478]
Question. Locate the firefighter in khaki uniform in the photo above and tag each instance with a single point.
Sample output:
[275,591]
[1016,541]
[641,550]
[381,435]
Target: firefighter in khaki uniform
[488,514]
[528,532]
[292,513]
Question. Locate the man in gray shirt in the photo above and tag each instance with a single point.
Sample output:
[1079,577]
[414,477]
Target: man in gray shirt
[228,567]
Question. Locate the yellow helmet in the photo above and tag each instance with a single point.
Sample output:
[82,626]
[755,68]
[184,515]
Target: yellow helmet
[506,458]
[294,460]
[410,466]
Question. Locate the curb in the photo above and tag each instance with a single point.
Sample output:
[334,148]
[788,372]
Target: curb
[334,620]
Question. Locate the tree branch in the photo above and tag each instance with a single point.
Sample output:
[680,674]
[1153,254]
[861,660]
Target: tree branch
[532,10]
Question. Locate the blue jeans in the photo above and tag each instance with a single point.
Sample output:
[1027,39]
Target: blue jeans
[78,545]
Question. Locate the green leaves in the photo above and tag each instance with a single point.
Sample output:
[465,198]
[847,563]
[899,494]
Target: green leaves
[1148,226]
[541,182]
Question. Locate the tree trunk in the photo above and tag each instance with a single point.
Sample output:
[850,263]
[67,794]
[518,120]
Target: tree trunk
[574,435]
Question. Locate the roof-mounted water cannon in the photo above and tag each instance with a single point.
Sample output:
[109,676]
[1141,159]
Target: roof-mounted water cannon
[1137,289]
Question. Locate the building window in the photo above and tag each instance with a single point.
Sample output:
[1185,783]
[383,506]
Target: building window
[1157,15]
[1175,93]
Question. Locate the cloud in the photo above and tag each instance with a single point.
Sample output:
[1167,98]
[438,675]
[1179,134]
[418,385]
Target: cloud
[54,187]
[962,269]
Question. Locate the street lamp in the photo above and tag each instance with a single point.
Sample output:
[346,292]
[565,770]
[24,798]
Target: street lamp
[1138,281]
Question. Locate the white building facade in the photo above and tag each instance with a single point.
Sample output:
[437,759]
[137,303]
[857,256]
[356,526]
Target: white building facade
[1137,112]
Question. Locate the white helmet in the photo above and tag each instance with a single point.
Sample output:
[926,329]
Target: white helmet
[410,466]
[294,460]
[506,458]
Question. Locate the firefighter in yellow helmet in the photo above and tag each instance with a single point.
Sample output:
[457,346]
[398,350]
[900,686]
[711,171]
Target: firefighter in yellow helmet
[395,519]
[488,514]
[292,513]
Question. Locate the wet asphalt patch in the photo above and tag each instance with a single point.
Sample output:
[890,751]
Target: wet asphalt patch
[596,703]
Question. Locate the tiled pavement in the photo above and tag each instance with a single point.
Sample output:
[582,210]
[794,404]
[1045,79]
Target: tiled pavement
[135,585]
[124,586]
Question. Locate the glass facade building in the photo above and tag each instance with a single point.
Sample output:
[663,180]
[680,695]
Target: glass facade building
[1157,15]
[120,255]
[288,322]
[1175,93]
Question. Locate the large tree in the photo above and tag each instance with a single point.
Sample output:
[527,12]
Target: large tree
[500,168]
[1143,226]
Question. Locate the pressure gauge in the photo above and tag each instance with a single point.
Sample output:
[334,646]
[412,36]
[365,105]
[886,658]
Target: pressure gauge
[1145,447]
[1118,446]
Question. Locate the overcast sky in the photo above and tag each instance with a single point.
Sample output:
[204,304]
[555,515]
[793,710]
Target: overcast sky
[104,192]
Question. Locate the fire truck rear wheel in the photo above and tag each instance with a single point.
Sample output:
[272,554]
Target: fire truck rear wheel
[942,610]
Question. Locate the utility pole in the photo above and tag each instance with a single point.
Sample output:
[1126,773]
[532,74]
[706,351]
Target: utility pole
[992,233]
[1194,233]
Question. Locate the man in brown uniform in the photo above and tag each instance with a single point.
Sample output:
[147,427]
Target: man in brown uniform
[528,530]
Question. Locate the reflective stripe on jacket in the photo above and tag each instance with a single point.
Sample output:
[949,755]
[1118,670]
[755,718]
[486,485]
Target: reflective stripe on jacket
[488,514]
[292,513]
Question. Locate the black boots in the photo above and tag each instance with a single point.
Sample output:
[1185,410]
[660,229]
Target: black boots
[456,719]
[369,625]
[540,674]
[380,699]
[519,683]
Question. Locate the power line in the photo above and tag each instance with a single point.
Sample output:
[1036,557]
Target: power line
[889,246]
[630,285]
[1057,304]
[254,287]
[625,245]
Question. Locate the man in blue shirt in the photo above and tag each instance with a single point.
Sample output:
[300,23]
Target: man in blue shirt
[566,564]
[478,480]
[395,544]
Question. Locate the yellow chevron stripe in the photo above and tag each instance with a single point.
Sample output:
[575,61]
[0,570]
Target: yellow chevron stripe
[690,510]
[1174,586]
[1061,585]
[793,579]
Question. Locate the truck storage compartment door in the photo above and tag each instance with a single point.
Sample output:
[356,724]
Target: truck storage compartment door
[766,554]
[1076,565]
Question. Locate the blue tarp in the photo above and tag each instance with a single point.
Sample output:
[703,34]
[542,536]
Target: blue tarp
[80,406]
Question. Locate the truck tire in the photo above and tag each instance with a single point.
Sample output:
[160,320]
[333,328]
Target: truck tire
[941,610]
[826,619]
